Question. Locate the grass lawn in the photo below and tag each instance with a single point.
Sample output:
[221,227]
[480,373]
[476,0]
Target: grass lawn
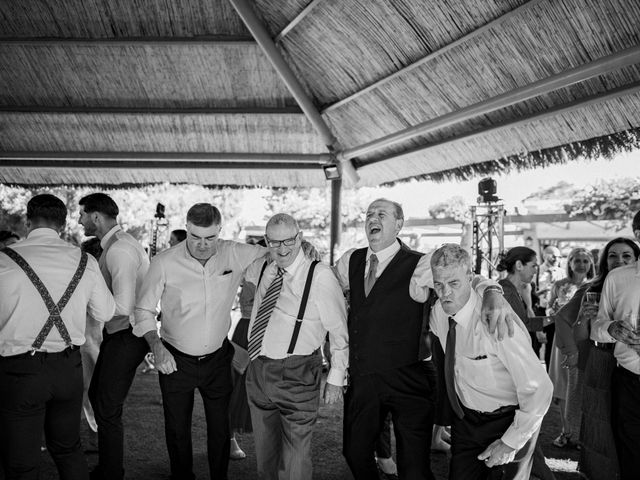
[146,455]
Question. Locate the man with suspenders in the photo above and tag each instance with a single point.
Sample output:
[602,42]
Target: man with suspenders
[123,264]
[47,286]
[297,302]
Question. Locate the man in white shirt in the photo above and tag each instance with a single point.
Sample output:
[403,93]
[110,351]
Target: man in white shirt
[196,282]
[123,264]
[498,391]
[388,286]
[297,302]
[619,321]
[47,287]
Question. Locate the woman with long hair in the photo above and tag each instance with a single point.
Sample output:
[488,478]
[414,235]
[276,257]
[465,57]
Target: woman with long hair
[580,269]
[598,452]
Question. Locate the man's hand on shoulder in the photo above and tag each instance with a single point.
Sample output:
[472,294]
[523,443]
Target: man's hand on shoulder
[498,453]
[332,394]
[623,333]
[497,313]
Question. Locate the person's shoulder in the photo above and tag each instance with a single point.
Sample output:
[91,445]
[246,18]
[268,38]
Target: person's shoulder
[622,272]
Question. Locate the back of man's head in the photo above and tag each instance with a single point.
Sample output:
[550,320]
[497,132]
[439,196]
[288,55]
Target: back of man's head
[451,254]
[101,203]
[47,210]
[204,215]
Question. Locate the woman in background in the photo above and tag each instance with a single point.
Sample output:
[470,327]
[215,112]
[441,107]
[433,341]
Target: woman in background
[521,265]
[580,269]
[597,362]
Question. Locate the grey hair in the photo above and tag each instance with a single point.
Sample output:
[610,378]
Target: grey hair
[451,254]
[283,219]
[396,206]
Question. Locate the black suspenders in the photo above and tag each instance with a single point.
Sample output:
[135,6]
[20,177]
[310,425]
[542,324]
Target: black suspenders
[303,307]
[53,308]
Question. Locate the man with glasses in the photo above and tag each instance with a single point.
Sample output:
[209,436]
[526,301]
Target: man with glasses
[196,283]
[297,302]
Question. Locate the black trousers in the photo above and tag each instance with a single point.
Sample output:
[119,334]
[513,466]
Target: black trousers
[471,435]
[408,393]
[626,421]
[119,357]
[211,375]
[41,392]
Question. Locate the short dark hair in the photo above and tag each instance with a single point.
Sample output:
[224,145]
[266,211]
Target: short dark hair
[101,203]
[635,225]
[47,208]
[180,234]
[7,234]
[204,215]
[92,247]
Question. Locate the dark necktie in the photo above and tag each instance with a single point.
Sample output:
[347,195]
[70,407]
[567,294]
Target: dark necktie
[449,364]
[264,313]
[371,276]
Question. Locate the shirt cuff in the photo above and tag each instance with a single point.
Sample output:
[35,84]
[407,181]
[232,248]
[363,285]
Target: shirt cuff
[514,438]
[603,334]
[336,377]
[143,325]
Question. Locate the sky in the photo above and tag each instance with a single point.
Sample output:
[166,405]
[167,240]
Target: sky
[416,196]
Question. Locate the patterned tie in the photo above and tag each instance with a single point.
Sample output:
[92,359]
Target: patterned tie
[371,276]
[264,313]
[449,364]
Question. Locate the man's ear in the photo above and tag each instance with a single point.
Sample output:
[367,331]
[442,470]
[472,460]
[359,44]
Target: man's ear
[637,234]
[399,224]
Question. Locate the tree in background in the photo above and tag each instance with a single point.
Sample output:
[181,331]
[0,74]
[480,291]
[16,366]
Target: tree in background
[615,200]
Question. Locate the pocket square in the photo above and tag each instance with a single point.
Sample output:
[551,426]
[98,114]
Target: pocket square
[227,272]
[479,357]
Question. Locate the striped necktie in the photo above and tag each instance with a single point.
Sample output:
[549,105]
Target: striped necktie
[449,366]
[371,276]
[264,313]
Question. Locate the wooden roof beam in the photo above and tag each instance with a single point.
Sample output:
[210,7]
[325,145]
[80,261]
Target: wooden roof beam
[259,32]
[559,110]
[603,65]
[78,110]
[433,55]
[298,18]
[126,41]
[161,160]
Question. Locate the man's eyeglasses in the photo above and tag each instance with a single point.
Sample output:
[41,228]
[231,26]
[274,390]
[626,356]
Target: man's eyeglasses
[288,242]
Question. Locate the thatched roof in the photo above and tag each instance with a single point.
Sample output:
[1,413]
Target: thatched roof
[116,92]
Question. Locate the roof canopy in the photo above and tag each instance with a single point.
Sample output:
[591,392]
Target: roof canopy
[227,92]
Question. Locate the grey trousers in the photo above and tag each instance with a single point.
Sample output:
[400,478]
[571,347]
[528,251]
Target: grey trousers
[284,397]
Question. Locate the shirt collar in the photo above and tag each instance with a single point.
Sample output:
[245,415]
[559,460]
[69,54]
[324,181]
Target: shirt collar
[108,235]
[291,269]
[386,253]
[464,317]
[43,232]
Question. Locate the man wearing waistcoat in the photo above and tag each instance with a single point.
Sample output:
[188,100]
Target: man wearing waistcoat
[123,264]
[388,284]
[47,287]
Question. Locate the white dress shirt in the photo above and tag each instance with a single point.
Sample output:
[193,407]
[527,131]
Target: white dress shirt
[195,300]
[421,280]
[127,263]
[325,312]
[620,300]
[490,374]
[23,312]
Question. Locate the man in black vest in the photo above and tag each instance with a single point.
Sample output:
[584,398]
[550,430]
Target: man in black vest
[47,286]
[388,285]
